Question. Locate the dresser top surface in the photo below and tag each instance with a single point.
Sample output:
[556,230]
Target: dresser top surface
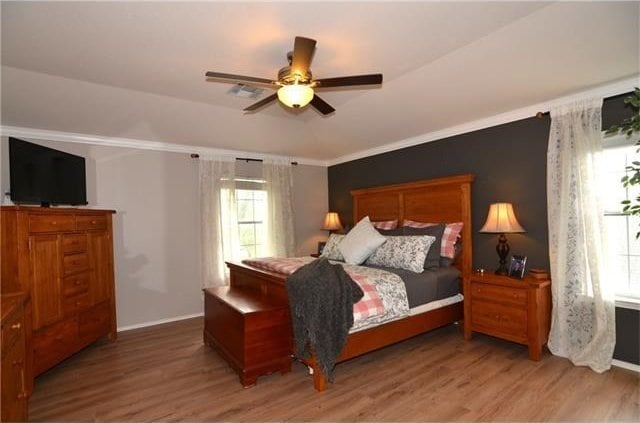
[52,210]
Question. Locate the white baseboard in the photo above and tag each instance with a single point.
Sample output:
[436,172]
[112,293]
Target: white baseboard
[158,322]
[625,365]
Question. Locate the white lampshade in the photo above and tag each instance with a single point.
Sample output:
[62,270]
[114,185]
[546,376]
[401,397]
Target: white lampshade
[295,95]
[332,222]
[501,219]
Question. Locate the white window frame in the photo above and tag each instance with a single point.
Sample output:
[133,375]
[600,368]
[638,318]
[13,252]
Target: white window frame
[609,142]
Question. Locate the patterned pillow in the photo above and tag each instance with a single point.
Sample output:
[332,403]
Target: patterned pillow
[330,250]
[449,238]
[360,242]
[436,231]
[402,252]
[385,224]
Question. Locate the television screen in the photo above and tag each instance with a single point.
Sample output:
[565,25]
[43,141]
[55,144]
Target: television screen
[41,175]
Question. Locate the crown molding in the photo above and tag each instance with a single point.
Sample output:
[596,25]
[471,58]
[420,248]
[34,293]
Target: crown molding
[49,135]
[608,90]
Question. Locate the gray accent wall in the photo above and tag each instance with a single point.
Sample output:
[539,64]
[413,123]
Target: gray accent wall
[509,164]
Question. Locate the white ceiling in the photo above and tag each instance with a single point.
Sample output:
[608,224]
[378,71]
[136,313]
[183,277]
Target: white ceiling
[136,69]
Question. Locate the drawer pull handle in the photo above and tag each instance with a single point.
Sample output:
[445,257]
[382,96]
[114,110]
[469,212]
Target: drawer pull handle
[53,222]
[77,282]
[16,326]
[22,395]
[18,362]
[78,303]
[93,222]
[59,338]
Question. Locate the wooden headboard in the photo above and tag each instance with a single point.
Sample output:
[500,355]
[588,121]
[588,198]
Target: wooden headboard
[435,200]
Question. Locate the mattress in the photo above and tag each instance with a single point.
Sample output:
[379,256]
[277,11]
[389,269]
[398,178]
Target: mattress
[431,285]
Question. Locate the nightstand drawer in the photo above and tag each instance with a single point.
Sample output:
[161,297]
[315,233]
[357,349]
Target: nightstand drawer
[500,320]
[499,293]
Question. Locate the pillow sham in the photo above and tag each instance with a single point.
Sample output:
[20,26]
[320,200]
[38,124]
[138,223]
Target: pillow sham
[391,232]
[402,252]
[385,224]
[449,237]
[330,251]
[436,231]
[446,261]
[360,242]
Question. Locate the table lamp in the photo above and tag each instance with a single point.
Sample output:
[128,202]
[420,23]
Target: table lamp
[332,222]
[502,220]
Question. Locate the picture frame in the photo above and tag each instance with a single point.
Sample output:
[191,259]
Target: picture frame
[321,245]
[517,266]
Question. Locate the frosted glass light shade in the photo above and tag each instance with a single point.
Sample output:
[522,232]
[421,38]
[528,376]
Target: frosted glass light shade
[332,222]
[501,220]
[295,95]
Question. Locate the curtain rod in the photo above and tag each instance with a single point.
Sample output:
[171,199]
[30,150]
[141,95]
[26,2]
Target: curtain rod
[242,159]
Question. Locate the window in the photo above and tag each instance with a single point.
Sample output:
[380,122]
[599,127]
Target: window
[621,228]
[252,208]
[244,219]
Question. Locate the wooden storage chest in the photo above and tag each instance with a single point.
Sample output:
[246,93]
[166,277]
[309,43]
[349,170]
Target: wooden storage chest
[251,332]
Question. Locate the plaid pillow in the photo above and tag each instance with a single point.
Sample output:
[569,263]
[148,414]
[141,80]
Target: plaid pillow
[385,224]
[449,237]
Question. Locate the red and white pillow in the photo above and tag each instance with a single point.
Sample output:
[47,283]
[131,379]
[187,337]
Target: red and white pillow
[386,225]
[449,237]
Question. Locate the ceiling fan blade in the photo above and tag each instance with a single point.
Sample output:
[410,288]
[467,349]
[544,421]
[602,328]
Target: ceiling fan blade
[345,81]
[303,49]
[263,102]
[238,78]
[321,105]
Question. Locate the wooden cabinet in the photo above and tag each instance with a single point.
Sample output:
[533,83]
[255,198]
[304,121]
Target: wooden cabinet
[14,378]
[63,259]
[251,332]
[517,310]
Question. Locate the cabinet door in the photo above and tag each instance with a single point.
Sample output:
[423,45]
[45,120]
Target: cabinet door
[45,279]
[101,259]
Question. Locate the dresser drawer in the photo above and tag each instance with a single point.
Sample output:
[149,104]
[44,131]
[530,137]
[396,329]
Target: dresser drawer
[51,223]
[75,263]
[499,293]
[72,305]
[499,320]
[76,284]
[54,343]
[12,329]
[88,222]
[74,243]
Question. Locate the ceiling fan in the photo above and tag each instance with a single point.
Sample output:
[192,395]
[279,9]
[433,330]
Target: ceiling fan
[295,82]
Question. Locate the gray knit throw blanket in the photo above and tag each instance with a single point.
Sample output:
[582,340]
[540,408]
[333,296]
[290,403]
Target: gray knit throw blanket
[321,298]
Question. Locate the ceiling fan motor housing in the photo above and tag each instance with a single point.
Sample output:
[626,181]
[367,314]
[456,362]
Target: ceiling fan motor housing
[286,77]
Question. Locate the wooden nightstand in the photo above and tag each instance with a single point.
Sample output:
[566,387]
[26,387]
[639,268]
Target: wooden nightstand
[517,310]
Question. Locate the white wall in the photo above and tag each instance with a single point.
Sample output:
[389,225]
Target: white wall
[156,227]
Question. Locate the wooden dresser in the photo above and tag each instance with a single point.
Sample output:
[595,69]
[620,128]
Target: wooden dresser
[62,258]
[517,310]
[14,376]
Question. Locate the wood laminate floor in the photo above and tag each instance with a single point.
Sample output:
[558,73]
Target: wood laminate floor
[166,373]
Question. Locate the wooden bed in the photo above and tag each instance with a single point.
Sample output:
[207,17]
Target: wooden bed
[437,200]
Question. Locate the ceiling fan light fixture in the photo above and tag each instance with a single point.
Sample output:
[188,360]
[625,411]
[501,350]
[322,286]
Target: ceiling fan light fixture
[295,95]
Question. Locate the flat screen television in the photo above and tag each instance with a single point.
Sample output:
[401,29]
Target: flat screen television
[41,175]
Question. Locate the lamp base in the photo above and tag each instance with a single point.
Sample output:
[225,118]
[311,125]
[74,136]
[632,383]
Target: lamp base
[502,270]
[503,251]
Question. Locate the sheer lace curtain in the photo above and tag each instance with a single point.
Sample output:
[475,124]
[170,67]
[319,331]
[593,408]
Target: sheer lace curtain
[582,324]
[278,178]
[219,228]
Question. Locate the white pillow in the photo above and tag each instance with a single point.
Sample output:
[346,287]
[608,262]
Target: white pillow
[360,242]
[403,252]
